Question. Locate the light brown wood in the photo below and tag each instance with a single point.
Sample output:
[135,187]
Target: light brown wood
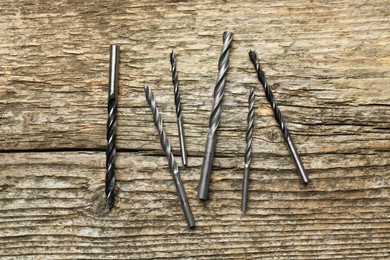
[53,203]
[328,65]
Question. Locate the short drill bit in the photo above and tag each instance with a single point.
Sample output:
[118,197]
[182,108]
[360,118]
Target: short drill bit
[111,125]
[175,81]
[215,117]
[171,160]
[279,119]
[248,151]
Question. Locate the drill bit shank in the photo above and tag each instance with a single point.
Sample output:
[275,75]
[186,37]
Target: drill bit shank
[215,117]
[111,125]
[248,151]
[171,160]
[279,119]
[175,81]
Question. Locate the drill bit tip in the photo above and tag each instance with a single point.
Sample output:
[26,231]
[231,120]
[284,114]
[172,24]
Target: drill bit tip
[227,34]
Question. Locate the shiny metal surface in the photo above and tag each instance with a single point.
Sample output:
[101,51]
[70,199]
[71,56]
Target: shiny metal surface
[248,150]
[279,119]
[215,117]
[171,159]
[111,125]
[176,91]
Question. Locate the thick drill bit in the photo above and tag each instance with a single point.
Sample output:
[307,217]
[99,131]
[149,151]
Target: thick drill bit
[214,117]
[171,160]
[111,125]
[279,119]
[248,151]
[175,81]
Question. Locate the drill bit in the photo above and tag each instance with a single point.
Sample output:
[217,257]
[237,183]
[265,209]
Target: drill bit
[214,117]
[175,81]
[279,119]
[171,159]
[248,151]
[111,125]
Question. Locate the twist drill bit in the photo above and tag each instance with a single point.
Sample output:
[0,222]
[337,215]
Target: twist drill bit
[111,125]
[279,119]
[248,151]
[214,117]
[175,81]
[171,160]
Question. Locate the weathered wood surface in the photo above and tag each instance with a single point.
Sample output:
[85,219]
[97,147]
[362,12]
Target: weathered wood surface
[328,64]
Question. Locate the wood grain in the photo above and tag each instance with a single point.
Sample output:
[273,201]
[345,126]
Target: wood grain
[327,62]
[53,203]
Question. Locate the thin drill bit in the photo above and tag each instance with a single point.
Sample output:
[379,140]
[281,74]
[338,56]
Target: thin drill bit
[175,81]
[214,117]
[171,160]
[111,125]
[279,119]
[248,151]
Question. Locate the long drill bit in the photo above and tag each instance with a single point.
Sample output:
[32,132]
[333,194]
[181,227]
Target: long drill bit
[175,81]
[279,119]
[171,159]
[214,117]
[248,151]
[111,125]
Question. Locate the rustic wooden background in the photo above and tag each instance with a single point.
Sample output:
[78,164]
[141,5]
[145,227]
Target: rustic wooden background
[328,63]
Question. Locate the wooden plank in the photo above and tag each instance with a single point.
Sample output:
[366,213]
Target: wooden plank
[328,64]
[52,206]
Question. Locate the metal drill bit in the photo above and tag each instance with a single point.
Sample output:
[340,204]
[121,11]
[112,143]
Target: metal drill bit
[214,117]
[248,151]
[171,159]
[279,119]
[111,125]
[175,81]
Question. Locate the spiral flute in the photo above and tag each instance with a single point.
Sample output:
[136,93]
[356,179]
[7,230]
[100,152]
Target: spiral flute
[279,119]
[175,81]
[248,151]
[215,117]
[171,160]
[111,126]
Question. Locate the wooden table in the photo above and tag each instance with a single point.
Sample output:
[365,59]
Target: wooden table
[328,65]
